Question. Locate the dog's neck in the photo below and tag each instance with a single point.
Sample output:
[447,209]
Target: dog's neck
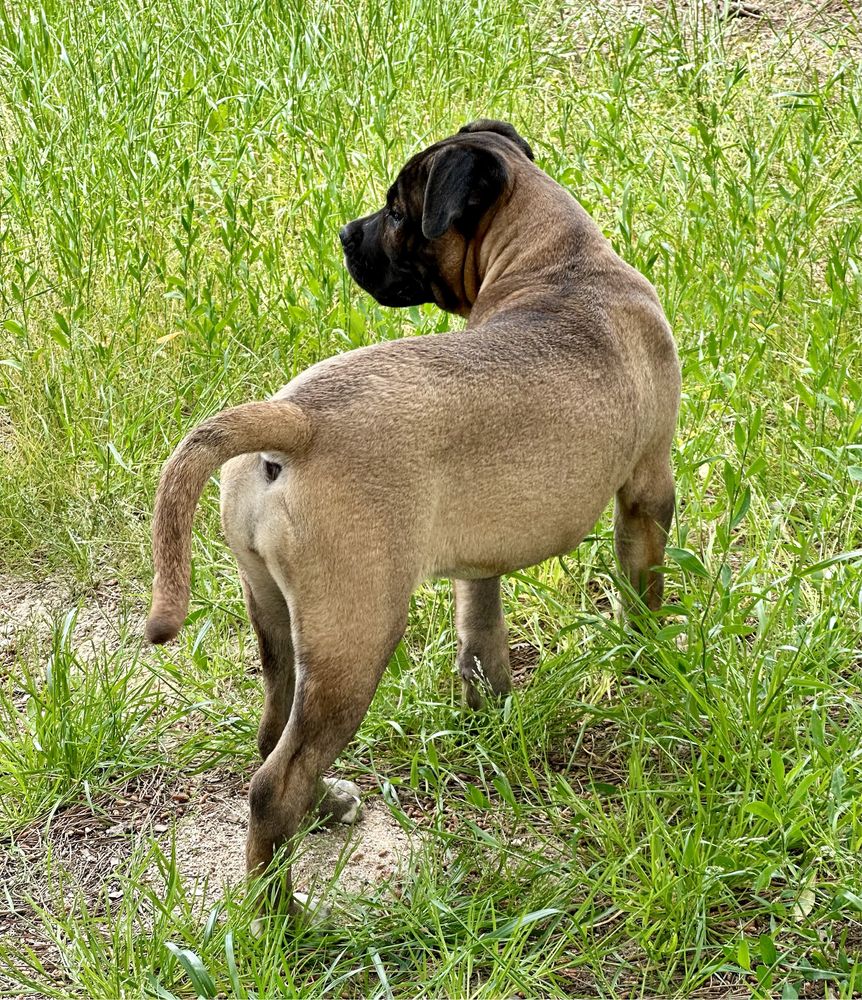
[500,271]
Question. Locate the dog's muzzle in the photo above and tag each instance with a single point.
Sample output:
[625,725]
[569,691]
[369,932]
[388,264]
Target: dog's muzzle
[392,282]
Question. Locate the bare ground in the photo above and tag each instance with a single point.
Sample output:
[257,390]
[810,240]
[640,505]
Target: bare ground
[210,847]
[30,610]
[80,853]
[203,823]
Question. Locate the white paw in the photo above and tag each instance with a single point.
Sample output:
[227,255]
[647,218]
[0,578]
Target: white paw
[352,813]
[343,800]
[314,911]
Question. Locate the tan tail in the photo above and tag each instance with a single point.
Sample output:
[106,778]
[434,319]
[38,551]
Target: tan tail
[275,425]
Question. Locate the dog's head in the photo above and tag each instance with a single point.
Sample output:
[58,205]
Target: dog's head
[413,249]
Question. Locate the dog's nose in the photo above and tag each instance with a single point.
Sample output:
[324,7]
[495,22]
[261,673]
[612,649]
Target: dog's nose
[349,235]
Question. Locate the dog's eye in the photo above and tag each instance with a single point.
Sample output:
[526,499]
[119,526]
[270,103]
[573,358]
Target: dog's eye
[396,216]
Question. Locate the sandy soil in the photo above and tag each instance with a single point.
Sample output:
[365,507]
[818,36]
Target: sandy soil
[210,846]
[29,610]
[205,821]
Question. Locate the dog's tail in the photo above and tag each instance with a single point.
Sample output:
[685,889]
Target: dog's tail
[276,425]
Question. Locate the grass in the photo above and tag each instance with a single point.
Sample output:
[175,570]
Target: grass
[668,816]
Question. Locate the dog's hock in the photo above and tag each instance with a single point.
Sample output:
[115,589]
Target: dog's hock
[475,684]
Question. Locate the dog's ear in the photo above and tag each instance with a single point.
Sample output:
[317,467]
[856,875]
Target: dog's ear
[463,183]
[501,128]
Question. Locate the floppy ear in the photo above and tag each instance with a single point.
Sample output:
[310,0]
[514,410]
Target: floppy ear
[462,185]
[501,128]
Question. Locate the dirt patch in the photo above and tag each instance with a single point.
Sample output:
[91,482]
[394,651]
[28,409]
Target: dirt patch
[88,843]
[211,818]
[807,14]
[524,660]
[805,37]
[79,855]
[801,36]
[30,611]
[7,431]
[758,14]
[210,848]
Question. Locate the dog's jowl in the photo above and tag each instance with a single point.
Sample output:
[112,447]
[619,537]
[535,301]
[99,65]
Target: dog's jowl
[463,455]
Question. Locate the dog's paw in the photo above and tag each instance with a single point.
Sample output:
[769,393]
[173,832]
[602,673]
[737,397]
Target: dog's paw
[342,801]
[303,908]
[308,909]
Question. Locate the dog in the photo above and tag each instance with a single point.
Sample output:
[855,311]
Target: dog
[466,455]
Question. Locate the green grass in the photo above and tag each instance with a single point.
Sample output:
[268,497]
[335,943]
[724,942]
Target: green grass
[646,817]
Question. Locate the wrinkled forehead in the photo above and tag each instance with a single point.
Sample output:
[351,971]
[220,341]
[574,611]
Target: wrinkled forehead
[409,185]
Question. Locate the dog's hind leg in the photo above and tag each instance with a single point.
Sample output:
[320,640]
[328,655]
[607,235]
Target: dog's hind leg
[269,615]
[342,645]
[483,645]
[642,520]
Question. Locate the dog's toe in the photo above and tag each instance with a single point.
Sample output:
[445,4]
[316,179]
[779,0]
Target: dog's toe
[311,910]
[303,908]
[342,801]
[351,815]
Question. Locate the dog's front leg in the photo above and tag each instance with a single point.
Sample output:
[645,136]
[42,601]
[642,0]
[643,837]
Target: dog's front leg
[483,644]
